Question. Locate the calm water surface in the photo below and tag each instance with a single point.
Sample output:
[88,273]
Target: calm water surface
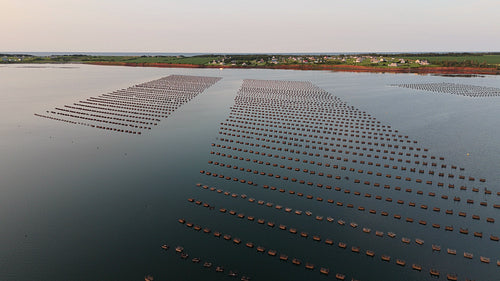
[85,204]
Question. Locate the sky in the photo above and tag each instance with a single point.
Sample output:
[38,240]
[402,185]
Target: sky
[257,26]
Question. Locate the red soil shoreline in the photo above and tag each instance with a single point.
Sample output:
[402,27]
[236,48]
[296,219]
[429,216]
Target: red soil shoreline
[347,68]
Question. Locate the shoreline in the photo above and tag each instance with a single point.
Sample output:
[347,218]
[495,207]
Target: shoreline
[342,68]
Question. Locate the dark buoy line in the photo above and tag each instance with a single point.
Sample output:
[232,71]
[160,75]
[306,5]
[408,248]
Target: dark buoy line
[293,137]
[454,89]
[135,109]
[361,208]
[402,168]
[263,250]
[179,250]
[316,238]
[328,241]
[329,154]
[357,193]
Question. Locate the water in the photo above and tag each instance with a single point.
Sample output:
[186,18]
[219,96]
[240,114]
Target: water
[84,204]
[47,54]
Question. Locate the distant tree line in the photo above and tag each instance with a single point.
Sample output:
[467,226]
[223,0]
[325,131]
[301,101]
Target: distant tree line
[15,55]
[249,57]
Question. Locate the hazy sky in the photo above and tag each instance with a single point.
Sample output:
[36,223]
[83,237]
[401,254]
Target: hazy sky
[249,26]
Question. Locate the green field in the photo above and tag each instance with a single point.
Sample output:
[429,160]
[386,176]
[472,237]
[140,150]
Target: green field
[474,59]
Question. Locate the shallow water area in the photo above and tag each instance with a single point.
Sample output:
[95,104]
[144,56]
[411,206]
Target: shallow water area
[84,204]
